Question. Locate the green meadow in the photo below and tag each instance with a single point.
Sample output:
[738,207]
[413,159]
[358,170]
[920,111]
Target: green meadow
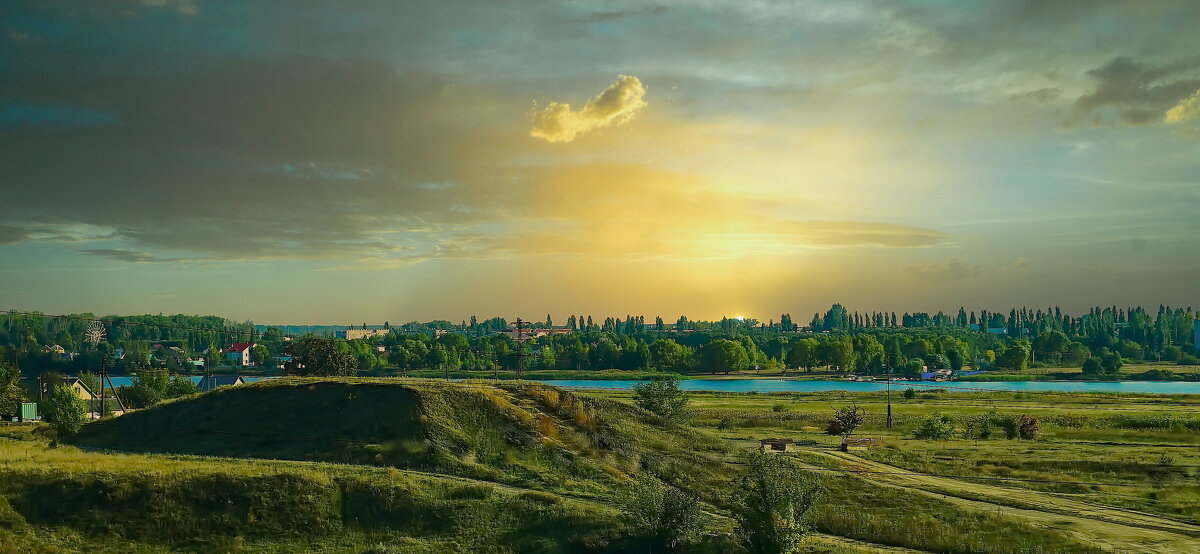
[415,465]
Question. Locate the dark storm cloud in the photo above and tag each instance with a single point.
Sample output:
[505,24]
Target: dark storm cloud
[11,235]
[1138,92]
[249,157]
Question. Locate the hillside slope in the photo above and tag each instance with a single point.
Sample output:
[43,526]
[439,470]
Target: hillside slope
[522,434]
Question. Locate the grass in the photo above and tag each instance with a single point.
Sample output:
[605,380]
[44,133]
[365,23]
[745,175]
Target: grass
[525,435]
[62,498]
[1094,438]
[412,465]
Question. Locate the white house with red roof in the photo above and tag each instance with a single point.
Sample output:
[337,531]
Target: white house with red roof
[239,353]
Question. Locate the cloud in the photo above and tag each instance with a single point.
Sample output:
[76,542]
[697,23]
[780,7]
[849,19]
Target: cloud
[12,235]
[133,256]
[1187,109]
[854,233]
[602,17]
[952,270]
[1137,92]
[615,105]
[184,7]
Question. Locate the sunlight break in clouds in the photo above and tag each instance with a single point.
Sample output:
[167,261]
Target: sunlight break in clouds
[1186,109]
[617,104]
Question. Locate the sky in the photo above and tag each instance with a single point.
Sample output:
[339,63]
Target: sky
[370,161]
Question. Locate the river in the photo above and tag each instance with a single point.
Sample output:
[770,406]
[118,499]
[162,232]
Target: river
[790,385]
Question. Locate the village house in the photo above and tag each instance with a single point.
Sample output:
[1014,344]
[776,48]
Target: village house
[238,354]
[212,382]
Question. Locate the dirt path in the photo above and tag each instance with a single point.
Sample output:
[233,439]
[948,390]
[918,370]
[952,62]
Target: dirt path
[1115,529]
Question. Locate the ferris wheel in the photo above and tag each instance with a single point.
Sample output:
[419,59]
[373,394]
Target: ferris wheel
[94,333]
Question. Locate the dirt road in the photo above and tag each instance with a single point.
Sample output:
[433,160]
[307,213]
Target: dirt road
[1112,528]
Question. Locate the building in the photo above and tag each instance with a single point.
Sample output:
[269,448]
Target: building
[238,354]
[212,382]
[352,333]
[532,333]
[76,385]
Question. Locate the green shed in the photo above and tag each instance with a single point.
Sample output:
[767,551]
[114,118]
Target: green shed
[29,411]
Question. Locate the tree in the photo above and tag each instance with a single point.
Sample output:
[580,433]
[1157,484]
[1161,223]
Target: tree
[845,420]
[259,355]
[12,394]
[180,386]
[1077,353]
[725,355]
[1091,367]
[314,356]
[149,388]
[1110,362]
[663,398]
[64,410]
[668,354]
[663,515]
[803,353]
[770,502]
[1015,357]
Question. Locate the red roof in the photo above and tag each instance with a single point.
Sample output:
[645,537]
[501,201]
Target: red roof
[240,346]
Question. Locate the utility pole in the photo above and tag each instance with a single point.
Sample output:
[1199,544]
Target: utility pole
[520,353]
[889,395]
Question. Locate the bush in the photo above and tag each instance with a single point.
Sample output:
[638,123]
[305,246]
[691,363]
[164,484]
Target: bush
[980,426]
[663,398]
[935,427]
[663,515]
[910,393]
[64,410]
[1188,359]
[1028,427]
[771,503]
[779,408]
[726,423]
[845,420]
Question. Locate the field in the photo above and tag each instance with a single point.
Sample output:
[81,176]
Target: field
[386,465]
[1123,471]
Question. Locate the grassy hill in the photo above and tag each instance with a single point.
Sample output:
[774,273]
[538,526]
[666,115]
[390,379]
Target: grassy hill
[520,434]
[62,499]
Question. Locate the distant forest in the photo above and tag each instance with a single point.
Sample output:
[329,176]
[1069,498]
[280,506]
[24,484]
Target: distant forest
[1099,341]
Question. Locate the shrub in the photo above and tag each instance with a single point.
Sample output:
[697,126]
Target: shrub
[771,502]
[845,420]
[663,515]
[980,426]
[935,427]
[663,398]
[1188,359]
[1010,427]
[1028,427]
[779,408]
[64,410]
[726,423]
[910,393]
